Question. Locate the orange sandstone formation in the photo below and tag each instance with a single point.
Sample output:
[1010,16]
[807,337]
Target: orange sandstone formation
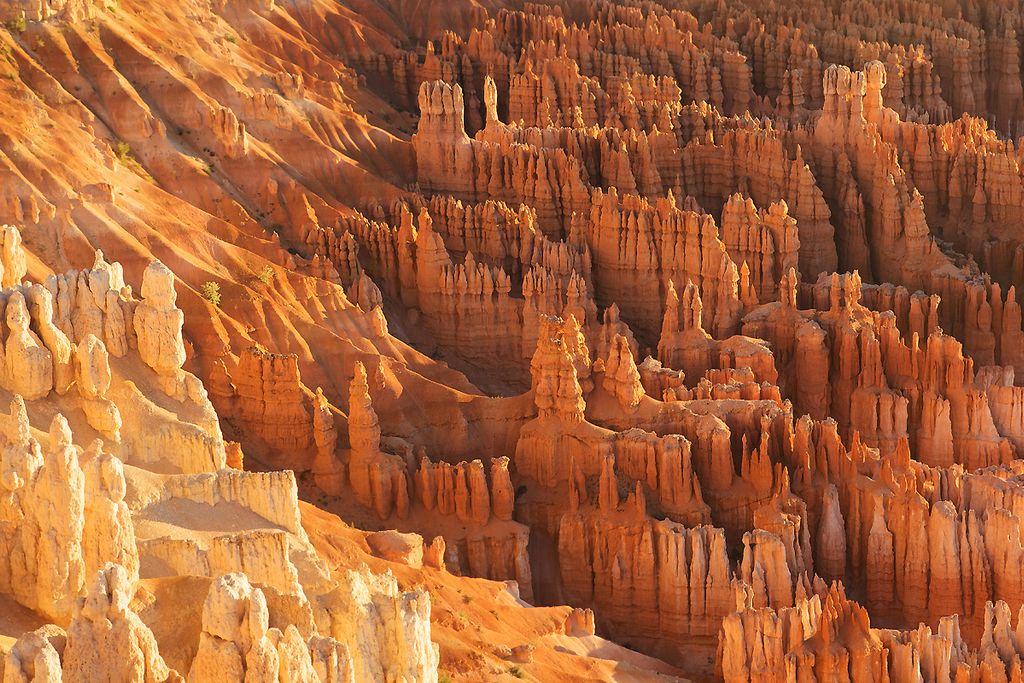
[577,341]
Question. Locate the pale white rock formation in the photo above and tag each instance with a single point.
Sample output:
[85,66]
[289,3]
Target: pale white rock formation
[40,303]
[387,631]
[271,495]
[237,643]
[92,367]
[293,655]
[13,262]
[66,515]
[107,640]
[158,324]
[58,509]
[261,554]
[94,301]
[92,371]
[35,657]
[154,438]
[233,645]
[109,535]
[28,365]
[58,524]
[331,660]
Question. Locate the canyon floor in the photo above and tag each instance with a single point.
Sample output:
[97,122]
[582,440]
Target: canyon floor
[407,341]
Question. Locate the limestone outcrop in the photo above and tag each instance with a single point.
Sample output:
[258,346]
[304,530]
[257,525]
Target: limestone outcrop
[92,372]
[109,534]
[80,529]
[157,324]
[106,636]
[387,632]
[236,643]
[35,656]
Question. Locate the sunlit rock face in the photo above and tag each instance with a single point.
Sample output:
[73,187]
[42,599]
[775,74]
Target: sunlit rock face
[458,341]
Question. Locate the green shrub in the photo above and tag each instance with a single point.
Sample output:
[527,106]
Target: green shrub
[516,671]
[211,292]
[265,275]
[124,152]
[444,677]
[17,24]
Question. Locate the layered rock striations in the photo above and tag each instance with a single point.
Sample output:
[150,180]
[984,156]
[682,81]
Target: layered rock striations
[597,339]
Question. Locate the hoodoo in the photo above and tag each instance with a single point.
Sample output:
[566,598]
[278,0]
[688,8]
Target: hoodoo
[481,340]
